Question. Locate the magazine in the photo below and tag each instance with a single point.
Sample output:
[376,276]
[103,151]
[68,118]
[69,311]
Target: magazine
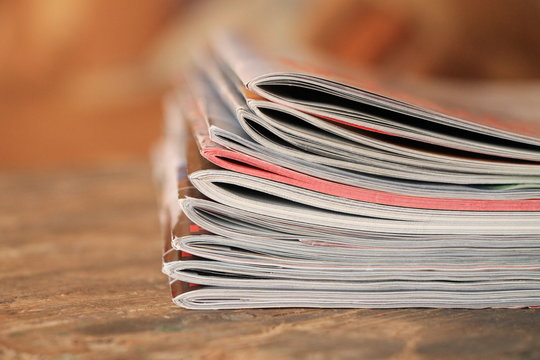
[284,185]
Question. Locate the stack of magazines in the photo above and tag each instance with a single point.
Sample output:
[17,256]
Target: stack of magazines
[284,184]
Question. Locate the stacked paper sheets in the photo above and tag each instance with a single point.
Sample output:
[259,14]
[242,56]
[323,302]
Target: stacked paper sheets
[285,185]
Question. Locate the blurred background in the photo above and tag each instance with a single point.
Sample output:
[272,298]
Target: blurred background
[82,81]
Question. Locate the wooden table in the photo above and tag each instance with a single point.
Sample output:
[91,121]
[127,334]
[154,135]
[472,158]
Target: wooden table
[80,279]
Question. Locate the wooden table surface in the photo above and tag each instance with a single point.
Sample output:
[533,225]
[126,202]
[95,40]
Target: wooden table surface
[80,279]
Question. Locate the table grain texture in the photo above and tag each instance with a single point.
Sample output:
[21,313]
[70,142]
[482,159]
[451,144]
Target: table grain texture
[80,279]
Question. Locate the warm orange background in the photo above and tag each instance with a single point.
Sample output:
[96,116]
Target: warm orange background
[75,87]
